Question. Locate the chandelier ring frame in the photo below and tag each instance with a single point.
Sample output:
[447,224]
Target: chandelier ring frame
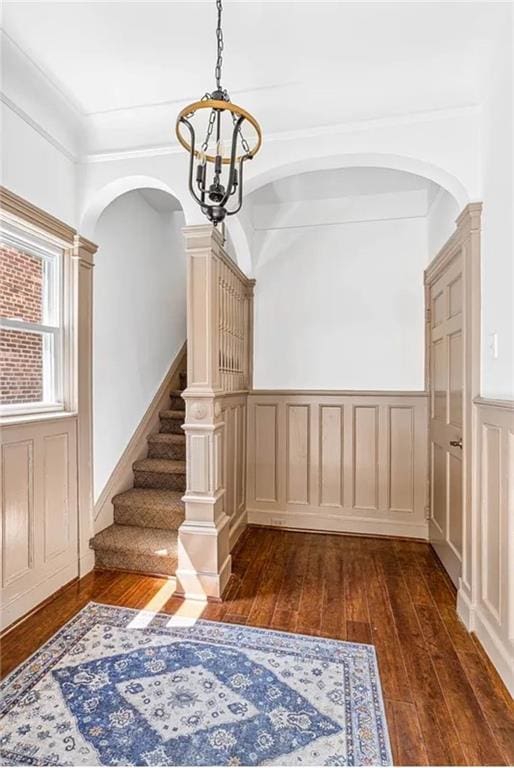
[191,109]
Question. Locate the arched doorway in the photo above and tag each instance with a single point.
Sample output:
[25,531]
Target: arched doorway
[139,316]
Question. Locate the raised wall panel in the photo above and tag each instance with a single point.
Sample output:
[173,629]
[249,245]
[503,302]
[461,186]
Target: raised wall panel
[365,457]
[17,510]
[455,297]
[198,321]
[266,452]
[455,503]
[493,578]
[39,512]
[491,517]
[241,457]
[198,477]
[56,501]
[331,421]
[329,461]
[438,308]
[439,368]
[439,495]
[401,459]
[455,373]
[297,454]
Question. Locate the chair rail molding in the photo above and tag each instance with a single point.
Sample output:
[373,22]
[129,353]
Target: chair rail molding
[345,461]
[219,339]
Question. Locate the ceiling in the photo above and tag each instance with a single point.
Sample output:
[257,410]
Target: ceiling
[294,64]
[340,182]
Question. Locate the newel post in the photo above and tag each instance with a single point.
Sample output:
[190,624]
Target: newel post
[204,562]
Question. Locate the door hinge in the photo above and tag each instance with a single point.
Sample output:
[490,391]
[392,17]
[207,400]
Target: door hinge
[427,513]
[427,314]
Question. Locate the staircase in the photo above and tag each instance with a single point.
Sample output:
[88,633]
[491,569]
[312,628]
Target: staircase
[143,537]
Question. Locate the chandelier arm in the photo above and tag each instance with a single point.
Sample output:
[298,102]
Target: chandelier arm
[191,160]
[240,200]
[233,152]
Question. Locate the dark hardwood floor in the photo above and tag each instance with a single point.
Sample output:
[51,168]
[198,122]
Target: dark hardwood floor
[445,703]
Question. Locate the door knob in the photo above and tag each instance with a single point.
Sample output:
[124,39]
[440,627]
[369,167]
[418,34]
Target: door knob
[456,443]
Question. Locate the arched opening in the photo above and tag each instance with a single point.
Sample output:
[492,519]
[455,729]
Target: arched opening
[338,255]
[139,316]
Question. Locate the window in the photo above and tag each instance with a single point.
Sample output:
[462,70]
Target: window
[31,322]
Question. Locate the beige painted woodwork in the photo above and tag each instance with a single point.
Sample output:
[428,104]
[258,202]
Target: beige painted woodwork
[493,609]
[219,341]
[46,459]
[39,512]
[338,461]
[446,423]
[452,285]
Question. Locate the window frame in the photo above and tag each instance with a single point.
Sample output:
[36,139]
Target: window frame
[16,233]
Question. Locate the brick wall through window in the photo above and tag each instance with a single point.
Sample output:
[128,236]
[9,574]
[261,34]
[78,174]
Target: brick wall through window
[21,353]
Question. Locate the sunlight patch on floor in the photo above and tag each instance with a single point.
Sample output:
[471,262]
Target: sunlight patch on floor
[153,606]
[188,613]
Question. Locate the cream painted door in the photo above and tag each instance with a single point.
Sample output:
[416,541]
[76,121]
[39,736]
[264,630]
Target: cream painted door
[446,342]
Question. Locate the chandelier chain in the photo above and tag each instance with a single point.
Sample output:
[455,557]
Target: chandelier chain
[210,127]
[219,41]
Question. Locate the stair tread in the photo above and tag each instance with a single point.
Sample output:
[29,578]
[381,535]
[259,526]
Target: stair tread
[166,437]
[171,466]
[158,542]
[150,497]
[172,414]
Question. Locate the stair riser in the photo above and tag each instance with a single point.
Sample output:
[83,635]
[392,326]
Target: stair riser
[148,518]
[164,480]
[177,404]
[126,561]
[171,426]
[175,451]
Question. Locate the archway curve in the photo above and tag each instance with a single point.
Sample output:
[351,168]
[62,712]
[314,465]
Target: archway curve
[355,160]
[108,193]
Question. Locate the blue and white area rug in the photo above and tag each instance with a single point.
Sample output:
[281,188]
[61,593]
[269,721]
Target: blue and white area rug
[107,691]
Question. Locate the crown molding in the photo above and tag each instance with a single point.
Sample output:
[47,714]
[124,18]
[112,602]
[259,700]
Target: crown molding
[316,132]
[299,134]
[10,104]
[69,101]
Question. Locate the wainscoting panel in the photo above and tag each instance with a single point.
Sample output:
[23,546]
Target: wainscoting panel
[338,461]
[39,535]
[493,618]
[233,437]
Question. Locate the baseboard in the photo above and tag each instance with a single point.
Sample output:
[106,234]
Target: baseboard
[343,522]
[237,528]
[465,610]
[22,605]
[121,478]
[497,650]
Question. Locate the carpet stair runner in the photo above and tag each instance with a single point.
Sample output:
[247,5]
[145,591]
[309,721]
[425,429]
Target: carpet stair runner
[143,537]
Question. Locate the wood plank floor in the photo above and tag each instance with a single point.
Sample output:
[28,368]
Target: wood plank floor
[445,703]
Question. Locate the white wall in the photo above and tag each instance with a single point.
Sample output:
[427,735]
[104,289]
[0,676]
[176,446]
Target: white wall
[35,169]
[441,221]
[40,136]
[341,306]
[139,319]
[497,239]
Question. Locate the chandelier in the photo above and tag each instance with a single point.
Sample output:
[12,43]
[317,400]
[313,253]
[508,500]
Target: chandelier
[230,137]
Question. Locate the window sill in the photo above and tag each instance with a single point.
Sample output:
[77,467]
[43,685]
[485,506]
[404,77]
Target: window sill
[28,418]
